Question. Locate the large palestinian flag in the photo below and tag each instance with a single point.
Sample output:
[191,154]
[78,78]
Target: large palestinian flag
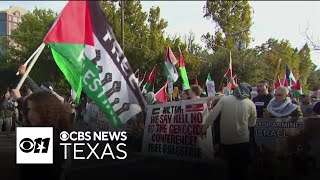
[86,51]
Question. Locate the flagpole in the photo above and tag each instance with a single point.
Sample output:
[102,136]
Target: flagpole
[41,47]
[26,63]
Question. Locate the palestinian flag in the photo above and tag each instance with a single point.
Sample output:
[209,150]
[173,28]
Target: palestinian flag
[142,80]
[296,89]
[150,80]
[227,90]
[183,73]
[228,74]
[285,82]
[277,83]
[161,95]
[169,62]
[289,76]
[85,49]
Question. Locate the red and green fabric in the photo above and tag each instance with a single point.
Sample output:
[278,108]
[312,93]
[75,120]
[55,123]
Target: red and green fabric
[289,76]
[169,65]
[296,89]
[150,80]
[161,95]
[86,51]
[227,89]
[183,73]
[285,82]
[277,83]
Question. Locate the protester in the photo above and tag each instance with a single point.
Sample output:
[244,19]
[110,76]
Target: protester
[305,105]
[238,113]
[44,109]
[216,130]
[185,95]
[195,92]
[263,98]
[282,106]
[6,109]
[34,87]
[261,101]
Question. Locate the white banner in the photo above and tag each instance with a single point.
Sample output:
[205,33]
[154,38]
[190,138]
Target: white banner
[173,130]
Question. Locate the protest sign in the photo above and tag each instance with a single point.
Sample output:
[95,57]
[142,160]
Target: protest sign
[211,88]
[172,130]
[285,135]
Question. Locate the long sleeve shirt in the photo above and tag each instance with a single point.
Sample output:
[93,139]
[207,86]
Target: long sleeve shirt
[236,116]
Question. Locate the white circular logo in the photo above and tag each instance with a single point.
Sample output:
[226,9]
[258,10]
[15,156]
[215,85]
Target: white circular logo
[64,136]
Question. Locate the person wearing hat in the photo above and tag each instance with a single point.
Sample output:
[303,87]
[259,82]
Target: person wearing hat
[238,112]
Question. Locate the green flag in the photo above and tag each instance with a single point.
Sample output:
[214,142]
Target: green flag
[183,73]
[88,54]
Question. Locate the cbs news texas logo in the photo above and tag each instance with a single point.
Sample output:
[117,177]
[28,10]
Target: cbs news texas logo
[34,145]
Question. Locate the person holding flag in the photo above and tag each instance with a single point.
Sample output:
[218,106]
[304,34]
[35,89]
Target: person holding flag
[92,61]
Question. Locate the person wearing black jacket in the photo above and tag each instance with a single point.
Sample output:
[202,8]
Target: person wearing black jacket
[261,101]
[263,98]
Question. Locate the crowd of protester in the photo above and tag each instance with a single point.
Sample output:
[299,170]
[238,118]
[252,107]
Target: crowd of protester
[232,118]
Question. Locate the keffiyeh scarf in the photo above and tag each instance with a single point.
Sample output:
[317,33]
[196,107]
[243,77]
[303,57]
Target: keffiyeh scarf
[244,91]
[281,109]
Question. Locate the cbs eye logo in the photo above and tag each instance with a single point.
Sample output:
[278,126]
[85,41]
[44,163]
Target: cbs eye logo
[34,145]
[38,145]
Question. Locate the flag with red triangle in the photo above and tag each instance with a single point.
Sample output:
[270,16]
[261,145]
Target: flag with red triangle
[150,80]
[285,82]
[142,80]
[161,95]
[277,83]
[85,49]
[169,65]
[296,89]
[227,90]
